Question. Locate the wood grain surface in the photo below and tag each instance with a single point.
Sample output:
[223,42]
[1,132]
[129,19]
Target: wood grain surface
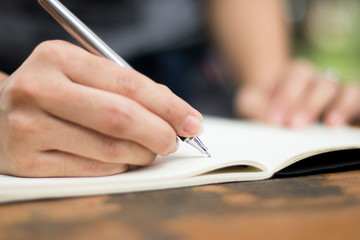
[323,206]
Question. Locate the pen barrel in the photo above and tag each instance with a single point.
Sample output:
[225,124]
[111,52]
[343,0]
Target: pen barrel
[76,28]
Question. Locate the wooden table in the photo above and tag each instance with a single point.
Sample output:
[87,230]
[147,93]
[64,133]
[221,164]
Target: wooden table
[324,206]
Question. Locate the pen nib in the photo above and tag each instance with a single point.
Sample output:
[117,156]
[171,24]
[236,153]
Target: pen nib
[207,153]
[196,143]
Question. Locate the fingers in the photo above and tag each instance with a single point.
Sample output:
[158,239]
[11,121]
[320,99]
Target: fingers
[154,97]
[151,117]
[86,143]
[274,105]
[289,93]
[96,72]
[309,99]
[299,98]
[30,149]
[40,145]
[345,106]
[313,102]
[110,114]
[61,164]
[103,116]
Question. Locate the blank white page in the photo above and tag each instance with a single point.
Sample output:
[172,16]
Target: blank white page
[231,143]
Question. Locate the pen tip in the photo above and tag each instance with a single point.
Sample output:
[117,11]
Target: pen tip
[207,153]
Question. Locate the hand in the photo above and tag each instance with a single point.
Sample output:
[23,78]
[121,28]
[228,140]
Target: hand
[3,76]
[299,97]
[66,112]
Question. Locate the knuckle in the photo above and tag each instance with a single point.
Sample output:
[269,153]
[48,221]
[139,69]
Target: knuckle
[51,51]
[172,102]
[171,107]
[127,82]
[21,125]
[23,87]
[118,119]
[164,89]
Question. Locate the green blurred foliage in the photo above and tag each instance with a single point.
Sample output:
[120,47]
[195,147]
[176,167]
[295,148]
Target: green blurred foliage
[327,32]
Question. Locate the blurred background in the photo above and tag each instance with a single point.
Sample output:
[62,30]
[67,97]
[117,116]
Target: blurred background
[167,41]
[327,33]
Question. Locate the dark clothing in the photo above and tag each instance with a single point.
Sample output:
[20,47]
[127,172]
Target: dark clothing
[163,39]
[131,27]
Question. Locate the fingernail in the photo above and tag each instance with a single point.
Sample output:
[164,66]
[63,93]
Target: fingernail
[193,126]
[175,147]
[335,119]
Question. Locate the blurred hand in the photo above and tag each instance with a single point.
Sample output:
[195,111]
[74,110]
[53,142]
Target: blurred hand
[66,112]
[299,97]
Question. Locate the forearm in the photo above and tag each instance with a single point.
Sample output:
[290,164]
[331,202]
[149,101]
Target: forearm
[253,35]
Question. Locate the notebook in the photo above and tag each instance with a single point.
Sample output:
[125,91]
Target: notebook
[241,151]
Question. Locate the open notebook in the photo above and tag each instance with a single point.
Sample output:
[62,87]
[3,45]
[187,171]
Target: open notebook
[241,151]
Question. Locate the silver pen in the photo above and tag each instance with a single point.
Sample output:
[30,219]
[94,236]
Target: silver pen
[92,43]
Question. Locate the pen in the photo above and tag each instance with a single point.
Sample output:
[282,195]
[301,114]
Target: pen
[92,43]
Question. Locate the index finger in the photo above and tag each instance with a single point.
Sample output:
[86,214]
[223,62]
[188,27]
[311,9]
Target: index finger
[97,72]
